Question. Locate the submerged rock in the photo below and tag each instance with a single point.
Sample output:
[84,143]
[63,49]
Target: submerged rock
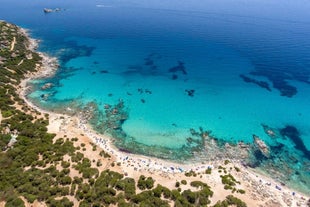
[261,145]
[190,92]
[180,68]
[262,84]
[269,131]
[47,86]
[45,96]
[293,134]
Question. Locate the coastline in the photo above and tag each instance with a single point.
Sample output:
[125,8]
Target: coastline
[260,188]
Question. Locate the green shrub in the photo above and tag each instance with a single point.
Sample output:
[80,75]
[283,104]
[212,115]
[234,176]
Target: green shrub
[14,202]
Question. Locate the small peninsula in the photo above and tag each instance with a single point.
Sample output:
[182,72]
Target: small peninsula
[50,159]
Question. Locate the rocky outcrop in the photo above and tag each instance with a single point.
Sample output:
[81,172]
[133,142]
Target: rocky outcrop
[47,10]
[47,86]
[261,145]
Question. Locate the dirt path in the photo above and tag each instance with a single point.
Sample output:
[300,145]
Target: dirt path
[13,44]
[21,62]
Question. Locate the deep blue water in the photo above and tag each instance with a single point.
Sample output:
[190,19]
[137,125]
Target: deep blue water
[232,68]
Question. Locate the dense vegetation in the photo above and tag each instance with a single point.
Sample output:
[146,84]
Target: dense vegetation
[38,167]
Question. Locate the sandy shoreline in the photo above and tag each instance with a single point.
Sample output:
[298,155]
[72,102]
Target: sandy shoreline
[261,190]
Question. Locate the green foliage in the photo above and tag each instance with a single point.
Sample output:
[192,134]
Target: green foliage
[147,199]
[104,154]
[190,173]
[84,167]
[230,201]
[241,191]
[14,202]
[4,140]
[145,183]
[208,171]
[237,169]
[128,186]
[229,181]
[64,202]
[161,190]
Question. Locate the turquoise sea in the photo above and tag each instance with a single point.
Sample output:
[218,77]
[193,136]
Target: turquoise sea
[158,75]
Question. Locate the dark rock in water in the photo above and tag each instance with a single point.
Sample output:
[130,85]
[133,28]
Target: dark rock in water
[95,62]
[148,91]
[269,131]
[129,94]
[189,140]
[277,149]
[142,100]
[44,96]
[153,67]
[74,50]
[148,62]
[259,156]
[262,84]
[107,106]
[174,77]
[285,89]
[292,133]
[140,90]
[278,79]
[110,94]
[93,73]
[190,92]
[104,71]
[47,86]
[180,68]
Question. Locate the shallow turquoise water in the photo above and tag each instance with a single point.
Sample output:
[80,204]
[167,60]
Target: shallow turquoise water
[224,66]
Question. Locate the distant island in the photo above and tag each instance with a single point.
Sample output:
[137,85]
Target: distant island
[48,10]
[50,159]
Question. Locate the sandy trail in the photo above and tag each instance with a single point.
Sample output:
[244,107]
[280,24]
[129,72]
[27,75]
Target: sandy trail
[13,44]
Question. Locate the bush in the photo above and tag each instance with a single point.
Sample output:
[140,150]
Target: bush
[145,183]
[237,169]
[65,164]
[14,202]
[208,171]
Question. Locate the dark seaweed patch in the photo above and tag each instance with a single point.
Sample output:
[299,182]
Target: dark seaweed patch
[279,77]
[104,71]
[180,67]
[190,92]
[292,133]
[74,50]
[277,149]
[261,84]
[148,62]
[174,77]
